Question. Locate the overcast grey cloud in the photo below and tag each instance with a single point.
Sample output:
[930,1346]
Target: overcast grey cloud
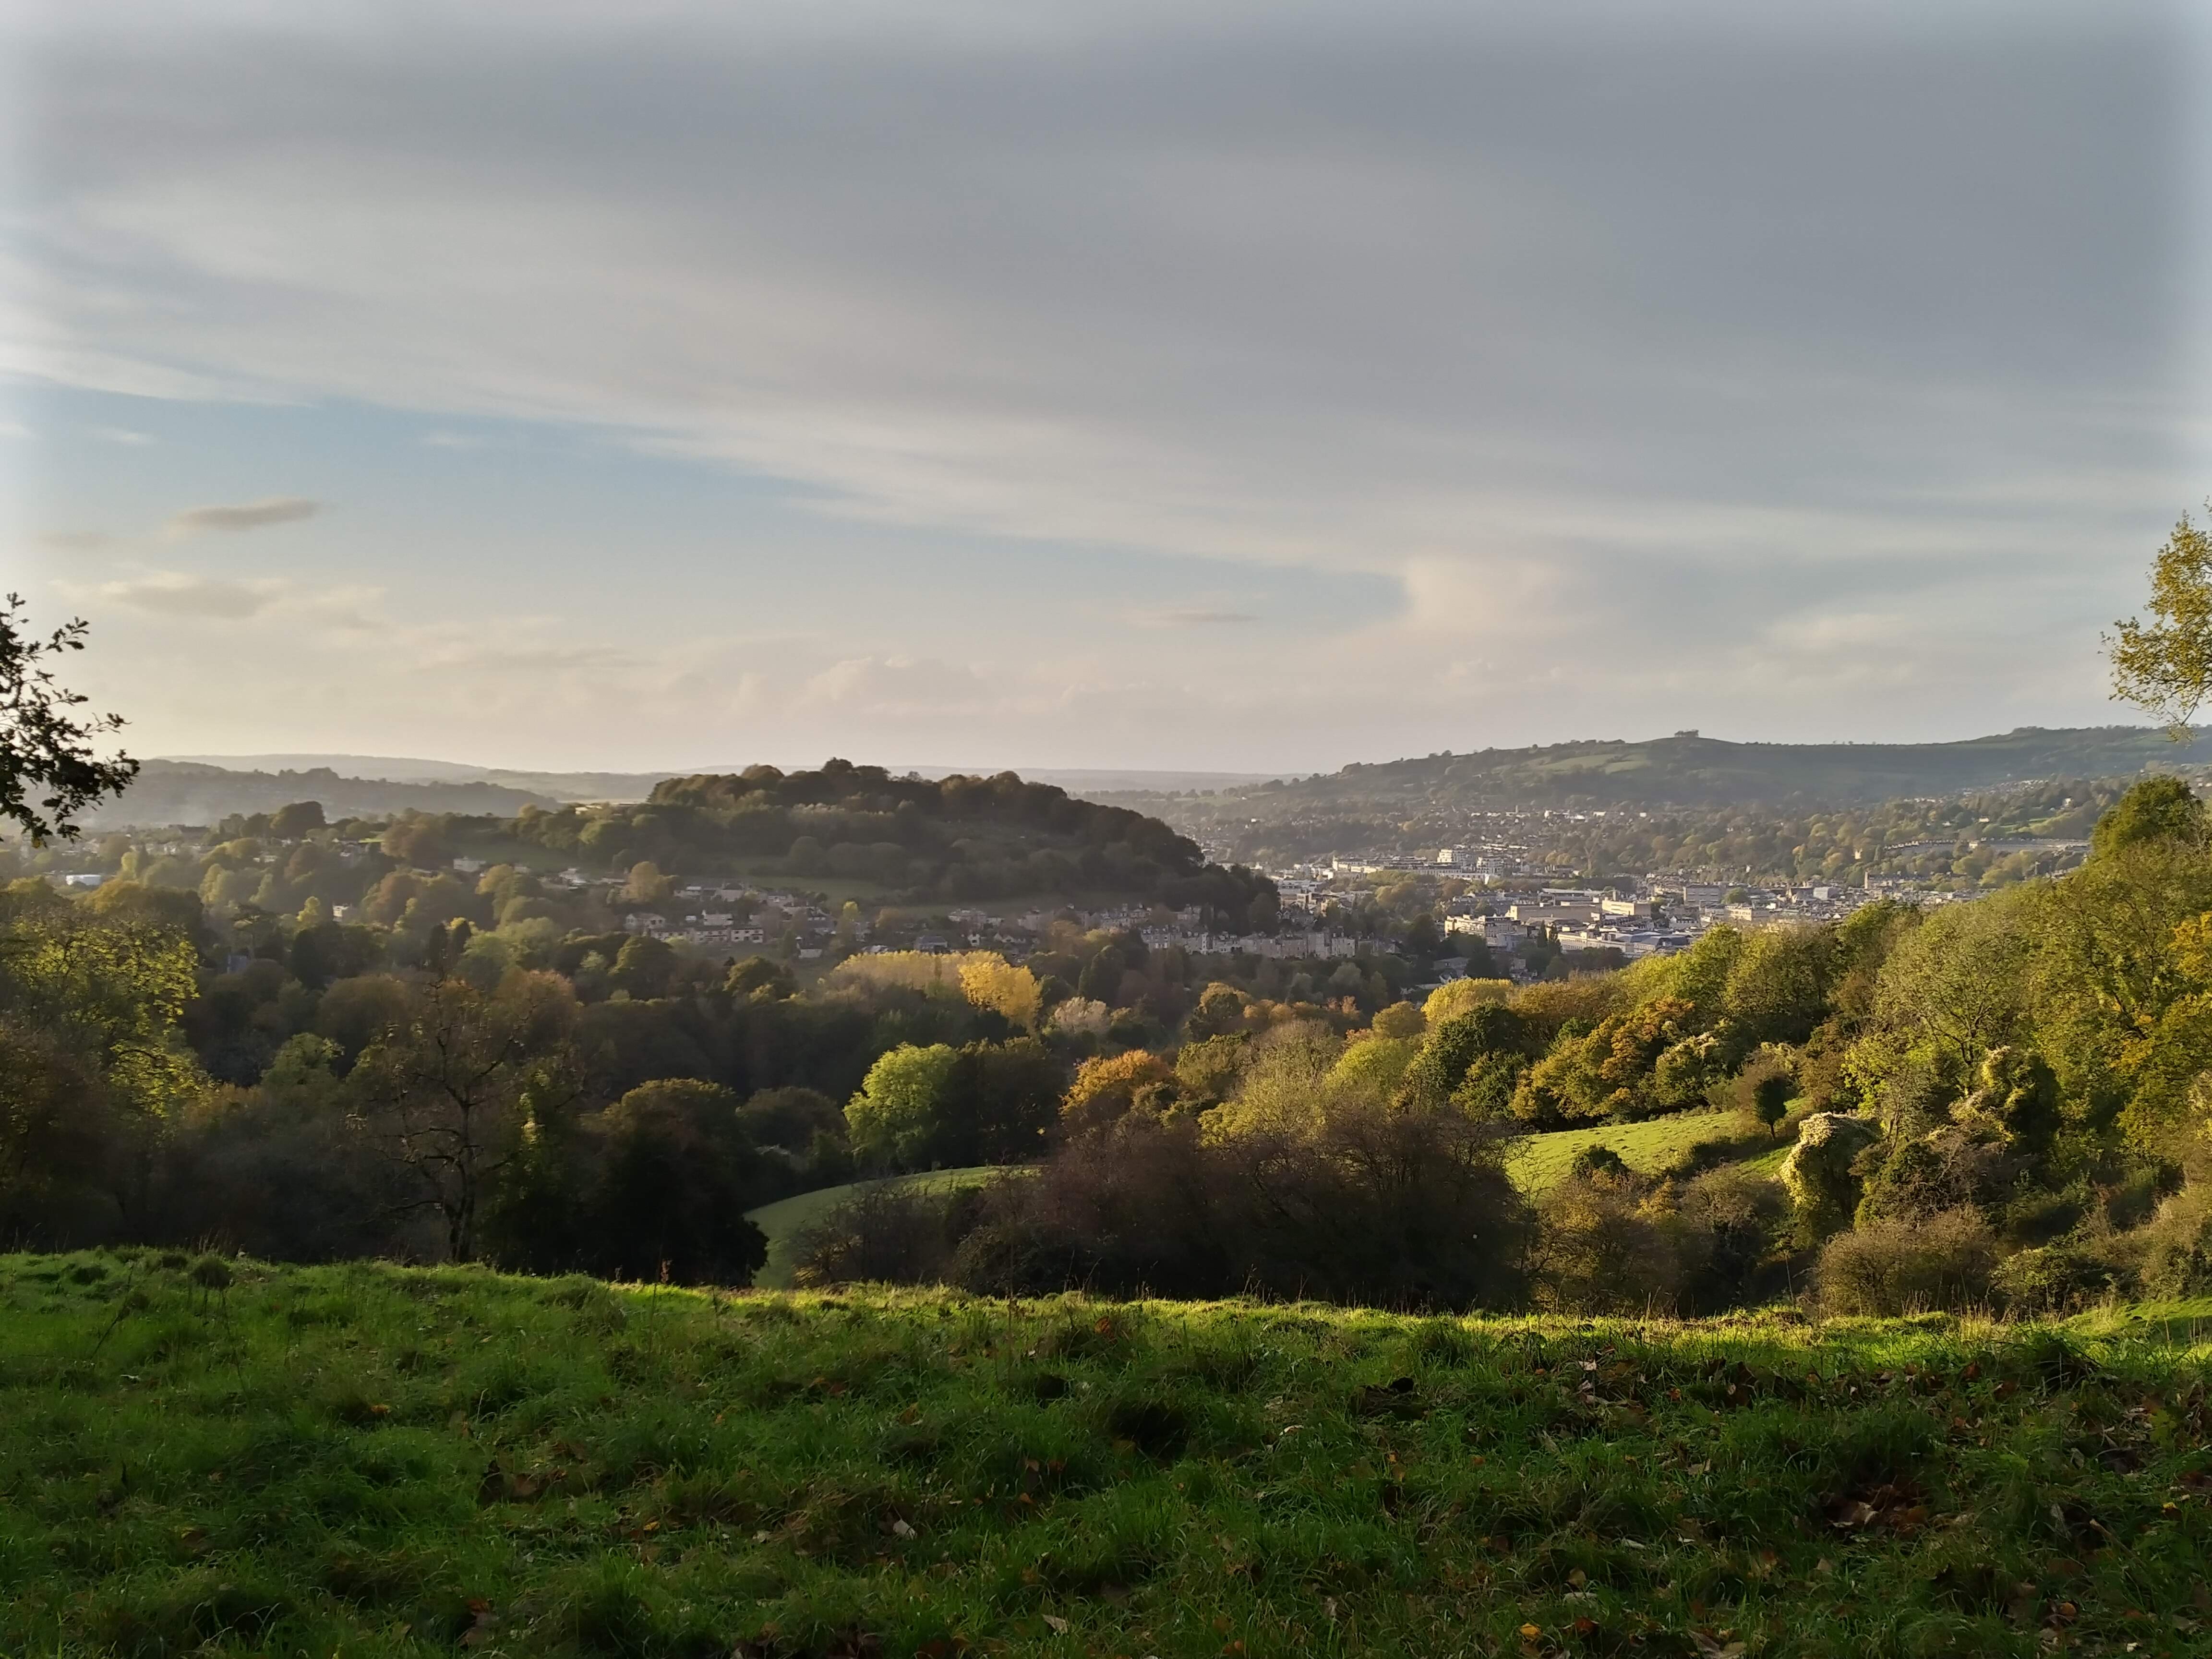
[1833,365]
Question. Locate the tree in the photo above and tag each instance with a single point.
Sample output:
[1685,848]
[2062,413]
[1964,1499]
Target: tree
[896,1113]
[1454,1045]
[2165,668]
[299,818]
[92,1068]
[2160,808]
[644,967]
[989,981]
[450,1089]
[1106,1088]
[646,884]
[44,743]
[677,1174]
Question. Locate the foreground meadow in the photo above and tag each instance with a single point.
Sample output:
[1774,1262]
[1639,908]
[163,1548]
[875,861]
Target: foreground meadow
[208,1456]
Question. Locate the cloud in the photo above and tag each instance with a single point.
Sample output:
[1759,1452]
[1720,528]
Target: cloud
[120,434]
[1604,344]
[15,429]
[1191,617]
[176,593]
[248,515]
[77,541]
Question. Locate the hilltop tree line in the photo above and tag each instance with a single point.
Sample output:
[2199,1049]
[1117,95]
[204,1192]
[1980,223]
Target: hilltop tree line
[957,838]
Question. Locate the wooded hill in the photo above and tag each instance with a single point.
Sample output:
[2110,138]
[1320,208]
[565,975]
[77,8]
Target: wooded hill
[1688,769]
[957,838]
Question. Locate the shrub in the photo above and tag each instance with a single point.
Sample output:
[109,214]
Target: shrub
[2054,1279]
[2174,1250]
[883,1235]
[1817,1173]
[1730,1220]
[1889,1267]
[1950,1169]
[1367,1206]
[1598,1249]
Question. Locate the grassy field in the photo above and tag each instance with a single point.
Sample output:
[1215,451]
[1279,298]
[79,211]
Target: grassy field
[784,1220]
[224,1458]
[1542,1161]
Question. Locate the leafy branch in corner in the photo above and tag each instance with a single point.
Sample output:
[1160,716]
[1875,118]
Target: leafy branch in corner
[2164,667]
[45,744]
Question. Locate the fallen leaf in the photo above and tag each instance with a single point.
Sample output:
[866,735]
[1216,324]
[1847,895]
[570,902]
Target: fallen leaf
[1057,1625]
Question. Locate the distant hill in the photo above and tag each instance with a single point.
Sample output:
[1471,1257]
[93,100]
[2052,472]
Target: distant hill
[637,785]
[410,769]
[184,791]
[1688,769]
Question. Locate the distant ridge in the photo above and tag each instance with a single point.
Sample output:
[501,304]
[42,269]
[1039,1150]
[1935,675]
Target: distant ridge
[1686,770]
[184,792]
[1690,769]
[636,785]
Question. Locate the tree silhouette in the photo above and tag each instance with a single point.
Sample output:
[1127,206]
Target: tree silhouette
[45,744]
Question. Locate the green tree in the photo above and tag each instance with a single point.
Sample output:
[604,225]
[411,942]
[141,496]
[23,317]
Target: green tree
[1453,1047]
[94,1071]
[298,819]
[644,967]
[897,1112]
[2158,808]
[2164,667]
[677,1174]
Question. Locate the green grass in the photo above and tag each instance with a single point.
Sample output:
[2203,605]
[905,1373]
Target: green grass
[784,1220]
[365,1460]
[1541,1161]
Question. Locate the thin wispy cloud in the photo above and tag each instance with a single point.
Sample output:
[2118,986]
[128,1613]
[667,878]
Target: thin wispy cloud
[180,594]
[249,515]
[1191,617]
[77,541]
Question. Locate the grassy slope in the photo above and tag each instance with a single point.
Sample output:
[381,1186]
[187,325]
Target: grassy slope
[365,1461]
[1542,1161]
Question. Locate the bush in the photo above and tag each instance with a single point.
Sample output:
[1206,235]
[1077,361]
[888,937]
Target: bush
[1369,1206]
[1730,1224]
[1598,1250]
[2055,1279]
[1890,1267]
[884,1235]
[2174,1250]
[1817,1173]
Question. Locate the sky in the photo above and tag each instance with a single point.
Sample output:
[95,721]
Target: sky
[1203,385]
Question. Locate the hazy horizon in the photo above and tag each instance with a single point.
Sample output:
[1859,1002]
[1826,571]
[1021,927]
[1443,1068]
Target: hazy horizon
[1134,388]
